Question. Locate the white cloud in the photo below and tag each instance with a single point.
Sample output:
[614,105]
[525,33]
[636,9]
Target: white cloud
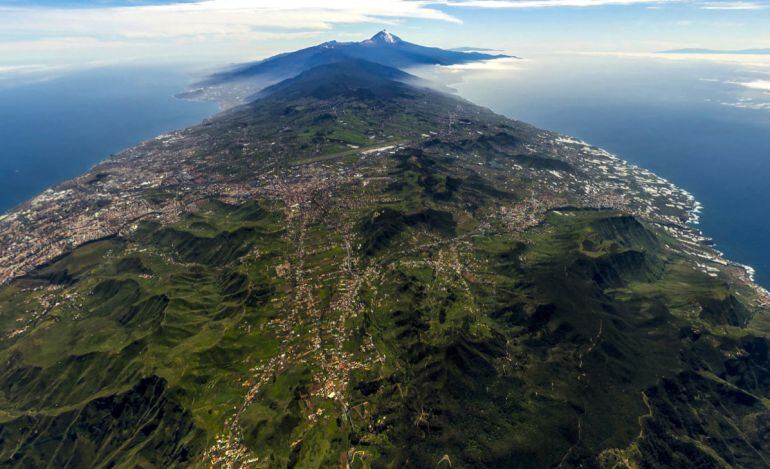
[8,69]
[227,29]
[733,5]
[11,75]
[751,61]
[494,65]
[651,4]
[748,104]
[207,17]
[205,28]
[548,3]
[762,85]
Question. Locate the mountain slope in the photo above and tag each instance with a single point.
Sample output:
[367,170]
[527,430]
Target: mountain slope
[234,86]
[349,78]
[368,274]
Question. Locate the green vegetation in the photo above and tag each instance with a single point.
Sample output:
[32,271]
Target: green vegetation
[409,307]
[155,326]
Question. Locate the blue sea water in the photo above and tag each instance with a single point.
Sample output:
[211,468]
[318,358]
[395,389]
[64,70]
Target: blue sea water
[687,121]
[55,129]
[690,122]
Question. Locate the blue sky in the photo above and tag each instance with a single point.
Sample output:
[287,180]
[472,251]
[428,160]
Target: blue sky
[65,33]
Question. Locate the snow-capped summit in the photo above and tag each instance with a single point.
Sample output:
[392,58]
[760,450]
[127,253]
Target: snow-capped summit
[385,36]
[383,48]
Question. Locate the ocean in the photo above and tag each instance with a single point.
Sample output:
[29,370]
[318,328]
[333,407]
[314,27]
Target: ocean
[54,129]
[702,125]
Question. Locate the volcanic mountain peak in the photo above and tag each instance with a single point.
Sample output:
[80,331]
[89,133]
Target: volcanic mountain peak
[384,37]
[236,85]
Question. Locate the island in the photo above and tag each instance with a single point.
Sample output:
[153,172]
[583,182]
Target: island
[352,269]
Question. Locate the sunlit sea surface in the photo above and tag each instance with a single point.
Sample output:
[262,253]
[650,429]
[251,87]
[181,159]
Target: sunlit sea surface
[705,126]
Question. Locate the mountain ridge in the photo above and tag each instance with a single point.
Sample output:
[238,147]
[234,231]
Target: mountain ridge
[341,77]
[235,85]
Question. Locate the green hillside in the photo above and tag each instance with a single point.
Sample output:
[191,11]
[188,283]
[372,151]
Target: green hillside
[421,284]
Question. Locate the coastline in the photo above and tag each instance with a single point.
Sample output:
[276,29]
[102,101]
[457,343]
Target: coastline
[687,230]
[56,130]
[642,193]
